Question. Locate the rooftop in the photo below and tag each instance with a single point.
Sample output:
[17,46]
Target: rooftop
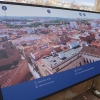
[3,54]
[8,57]
[53,61]
[91,50]
[95,43]
[7,75]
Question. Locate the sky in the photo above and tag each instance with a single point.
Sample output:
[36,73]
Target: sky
[84,2]
[18,10]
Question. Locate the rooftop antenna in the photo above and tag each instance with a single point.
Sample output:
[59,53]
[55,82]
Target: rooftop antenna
[48,11]
[80,15]
[4,8]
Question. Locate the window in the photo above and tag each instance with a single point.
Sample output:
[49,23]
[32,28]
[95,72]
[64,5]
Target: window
[90,61]
[80,64]
[93,61]
[87,61]
[84,61]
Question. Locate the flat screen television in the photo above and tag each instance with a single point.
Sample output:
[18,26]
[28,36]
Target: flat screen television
[46,49]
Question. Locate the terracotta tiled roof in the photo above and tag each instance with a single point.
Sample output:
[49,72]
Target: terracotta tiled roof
[95,43]
[14,56]
[87,38]
[7,75]
[91,50]
[67,38]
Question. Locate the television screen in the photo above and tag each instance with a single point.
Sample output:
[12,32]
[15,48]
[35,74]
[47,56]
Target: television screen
[46,49]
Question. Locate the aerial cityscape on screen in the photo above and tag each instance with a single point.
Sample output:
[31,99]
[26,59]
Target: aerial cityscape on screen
[34,47]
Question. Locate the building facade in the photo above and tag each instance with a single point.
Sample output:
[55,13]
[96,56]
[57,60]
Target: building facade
[54,64]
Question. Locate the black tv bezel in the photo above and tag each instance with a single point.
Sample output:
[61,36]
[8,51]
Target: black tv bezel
[35,5]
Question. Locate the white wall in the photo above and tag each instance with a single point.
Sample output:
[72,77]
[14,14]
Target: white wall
[34,73]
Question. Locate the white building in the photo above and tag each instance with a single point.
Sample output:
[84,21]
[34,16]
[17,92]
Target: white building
[4,37]
[29,30]
[83,43]
[73,44]
[93,24]
[33,71]
[73,25]
[97,36]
